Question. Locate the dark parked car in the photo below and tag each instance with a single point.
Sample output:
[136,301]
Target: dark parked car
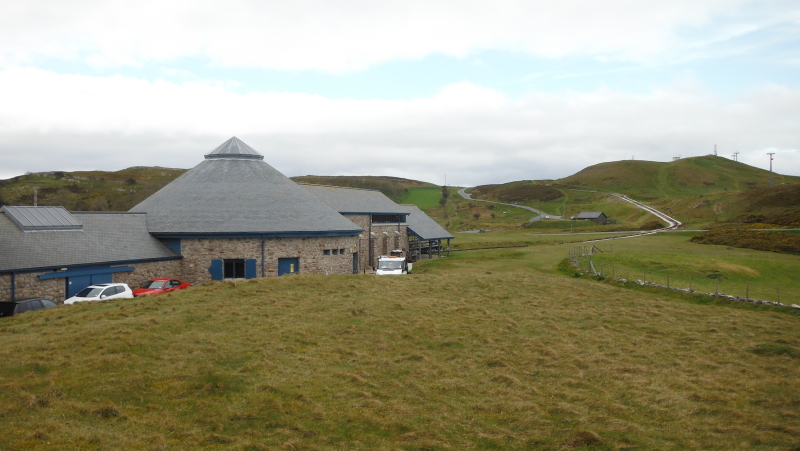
[11,308]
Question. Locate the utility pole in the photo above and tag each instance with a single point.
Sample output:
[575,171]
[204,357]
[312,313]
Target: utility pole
[735,156]
[770,166]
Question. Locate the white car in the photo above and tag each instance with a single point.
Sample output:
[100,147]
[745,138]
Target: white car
[102,292]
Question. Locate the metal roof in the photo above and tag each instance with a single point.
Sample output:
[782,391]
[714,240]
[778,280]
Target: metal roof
[239,196]
[34,219]
[235,148]
[355,200]
[589,215]
[423,226]
[105,238]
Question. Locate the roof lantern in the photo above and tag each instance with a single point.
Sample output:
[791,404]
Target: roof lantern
[234,149]
[36,219]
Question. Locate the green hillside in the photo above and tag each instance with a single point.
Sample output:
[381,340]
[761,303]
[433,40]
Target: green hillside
[697,191]
[681,178]
[87,190]
[121,190]
[395,188]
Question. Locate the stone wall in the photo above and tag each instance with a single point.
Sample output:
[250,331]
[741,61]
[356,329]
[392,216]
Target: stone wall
[5,287]
[388,237]
[382,238]
[198,254]
[28,285]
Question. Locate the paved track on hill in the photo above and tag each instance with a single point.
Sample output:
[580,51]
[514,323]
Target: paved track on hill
[464,194]
[672,223]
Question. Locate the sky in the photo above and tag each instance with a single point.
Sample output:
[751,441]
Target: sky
[462,92]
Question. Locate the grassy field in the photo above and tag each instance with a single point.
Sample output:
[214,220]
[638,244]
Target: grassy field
[757,274]
[423,197]
[483,350]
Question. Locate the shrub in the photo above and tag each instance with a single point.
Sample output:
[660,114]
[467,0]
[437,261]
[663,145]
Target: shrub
[652,225]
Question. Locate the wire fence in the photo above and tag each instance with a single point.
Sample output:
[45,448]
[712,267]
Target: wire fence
[612,262]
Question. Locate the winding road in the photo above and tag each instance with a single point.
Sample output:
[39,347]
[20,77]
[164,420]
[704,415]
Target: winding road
[465,195]
[672,223]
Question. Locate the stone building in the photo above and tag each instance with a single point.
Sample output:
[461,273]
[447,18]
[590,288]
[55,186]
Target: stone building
[235,216]
[232,216]
[383,221]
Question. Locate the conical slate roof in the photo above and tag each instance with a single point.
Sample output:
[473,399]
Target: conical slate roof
[234,148]
[234,192]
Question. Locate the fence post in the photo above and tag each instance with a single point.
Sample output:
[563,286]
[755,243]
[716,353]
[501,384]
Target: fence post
[645,275]
[690,284]
[716,293]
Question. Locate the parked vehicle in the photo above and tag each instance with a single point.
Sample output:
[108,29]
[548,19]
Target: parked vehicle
[11,308]
[102,292]
[158,286]
[392,265]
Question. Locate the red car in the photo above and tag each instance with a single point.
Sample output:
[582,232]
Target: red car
[158,286]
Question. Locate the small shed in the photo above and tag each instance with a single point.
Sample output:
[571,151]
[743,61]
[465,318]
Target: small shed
[594,216]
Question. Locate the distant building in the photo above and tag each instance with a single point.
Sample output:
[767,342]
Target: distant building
[595,216]
[232,216]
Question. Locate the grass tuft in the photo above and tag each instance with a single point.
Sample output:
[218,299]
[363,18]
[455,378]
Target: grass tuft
[107,411]
[775,349]
[581,439]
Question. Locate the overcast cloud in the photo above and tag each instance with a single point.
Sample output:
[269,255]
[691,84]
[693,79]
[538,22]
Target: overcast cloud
[486,92]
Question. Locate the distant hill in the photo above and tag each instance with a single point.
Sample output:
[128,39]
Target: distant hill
[87,190]
[121,190]
[698,190]
[395,188]
[688,176]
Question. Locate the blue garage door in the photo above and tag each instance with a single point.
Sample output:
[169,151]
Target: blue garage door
[78,283]
[288,266]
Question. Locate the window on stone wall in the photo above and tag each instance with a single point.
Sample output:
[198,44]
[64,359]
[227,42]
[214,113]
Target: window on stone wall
[387,219]
[341,251]
[336,252]
[233,268]
[326,252]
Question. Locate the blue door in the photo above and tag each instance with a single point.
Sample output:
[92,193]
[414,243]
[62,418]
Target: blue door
[78,283]
[288,266]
